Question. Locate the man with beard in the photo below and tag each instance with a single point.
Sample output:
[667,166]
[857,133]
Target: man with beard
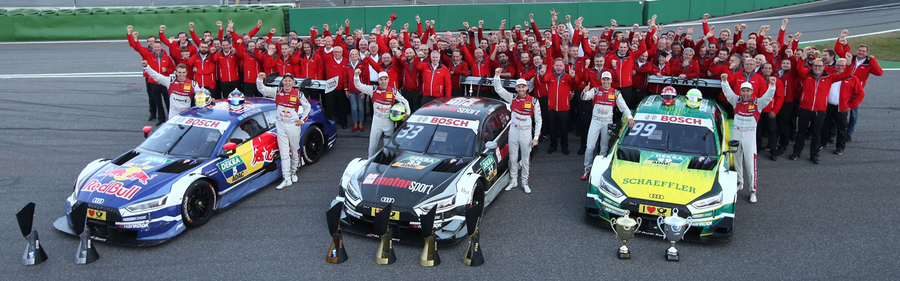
[457,67]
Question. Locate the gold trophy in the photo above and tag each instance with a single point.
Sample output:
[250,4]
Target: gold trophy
[336,253]
[473,255]
[430,255]
[624,227]
[385,253]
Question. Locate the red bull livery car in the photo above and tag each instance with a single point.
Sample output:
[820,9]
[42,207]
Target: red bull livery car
[187,170]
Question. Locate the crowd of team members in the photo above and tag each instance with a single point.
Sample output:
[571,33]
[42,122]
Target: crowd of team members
[814,94]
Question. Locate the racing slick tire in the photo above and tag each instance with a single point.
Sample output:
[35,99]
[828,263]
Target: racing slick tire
[478,193]
[313,144]
[198,204]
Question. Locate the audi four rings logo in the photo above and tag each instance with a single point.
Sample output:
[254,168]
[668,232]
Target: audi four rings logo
[97,200]
[656,196]
[387,199]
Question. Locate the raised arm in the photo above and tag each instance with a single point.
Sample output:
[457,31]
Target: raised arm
[163,80]
[503,93]
[266,91]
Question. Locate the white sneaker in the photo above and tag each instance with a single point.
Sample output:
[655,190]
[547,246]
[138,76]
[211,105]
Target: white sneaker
[284,184]
[752,197]
[512,184]
[527,190]
[293,177]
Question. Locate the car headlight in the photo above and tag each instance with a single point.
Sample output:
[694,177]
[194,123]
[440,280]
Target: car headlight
[144,206]
[708,202]
[442,205]
[608,187]
[351,191]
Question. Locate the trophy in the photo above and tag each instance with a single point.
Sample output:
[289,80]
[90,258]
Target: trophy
[673,229]
[336,253]
[624,227]
[429,255]
[385,253]
[34,254]
[473,255]
[86,252]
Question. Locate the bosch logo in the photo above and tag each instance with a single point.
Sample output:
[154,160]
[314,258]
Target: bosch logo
[656,196]
[387,200]
[97,200]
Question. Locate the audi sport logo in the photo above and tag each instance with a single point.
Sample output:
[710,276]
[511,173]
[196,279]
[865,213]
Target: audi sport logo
[656,196]
[97,200]
[387,200]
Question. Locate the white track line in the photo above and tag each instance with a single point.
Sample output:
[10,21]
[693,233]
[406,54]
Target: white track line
[72,75]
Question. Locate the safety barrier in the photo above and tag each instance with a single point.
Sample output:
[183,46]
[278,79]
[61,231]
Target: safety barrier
[110,23]
[450,17]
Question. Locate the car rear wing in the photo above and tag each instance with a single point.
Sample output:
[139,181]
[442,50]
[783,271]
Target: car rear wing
[676,81]
[274,80]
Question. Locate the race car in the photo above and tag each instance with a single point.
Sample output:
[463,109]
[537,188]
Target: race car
[450,154]
[197,163]
[674,157]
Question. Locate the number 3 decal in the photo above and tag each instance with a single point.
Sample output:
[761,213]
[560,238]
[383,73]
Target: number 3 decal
[410,132]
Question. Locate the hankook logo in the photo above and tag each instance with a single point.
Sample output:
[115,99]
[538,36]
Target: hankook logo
[98,200]
[387,200]
[656,196]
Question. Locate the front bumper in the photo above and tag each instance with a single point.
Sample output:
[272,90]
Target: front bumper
[145,229]
[358,220]
[715,228]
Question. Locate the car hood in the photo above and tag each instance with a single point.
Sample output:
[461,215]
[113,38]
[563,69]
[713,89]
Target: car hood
[409,178]
[662,175]
[140,178]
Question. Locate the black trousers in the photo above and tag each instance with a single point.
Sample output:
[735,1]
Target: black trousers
[585,109]
[426,100]
[414,98]
[835,121]
[334,107]
[785,126]
[545,128]
[216,92]
[228,87]
[250,90]
[558,123]
[768,128]
[631,99]
[458,92]
[316,95]
[639,95]
[807,119]
[159,96]
[150,97]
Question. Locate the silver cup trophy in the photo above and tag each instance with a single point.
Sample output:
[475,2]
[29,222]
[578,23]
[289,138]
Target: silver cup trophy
[624,227]
[673,229]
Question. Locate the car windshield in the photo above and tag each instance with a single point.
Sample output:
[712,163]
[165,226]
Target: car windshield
[434,139]
[669,137]
[182,140]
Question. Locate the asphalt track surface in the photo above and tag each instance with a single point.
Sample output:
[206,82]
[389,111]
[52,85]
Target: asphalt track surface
[836,220]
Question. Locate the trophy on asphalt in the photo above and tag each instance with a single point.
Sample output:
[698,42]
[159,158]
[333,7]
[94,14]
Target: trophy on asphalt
[34,253]
[86,252]
[430,255]
[673,229]
[473,255]
[385,253]
[336,253]
[624,227]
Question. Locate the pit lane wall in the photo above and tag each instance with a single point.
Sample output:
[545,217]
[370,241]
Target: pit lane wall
[110,23]
[595,13]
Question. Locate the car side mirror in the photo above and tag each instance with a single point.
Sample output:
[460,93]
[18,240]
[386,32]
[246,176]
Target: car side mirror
[734,145]
[611,129]
[147,130]
[490,147]
[228,149]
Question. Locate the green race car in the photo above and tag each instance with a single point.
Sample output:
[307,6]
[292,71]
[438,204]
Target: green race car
[674,157]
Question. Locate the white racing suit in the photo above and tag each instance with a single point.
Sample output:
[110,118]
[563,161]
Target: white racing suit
[746,116]
[292,105]
[181,93]
[601,116]
[382,100]
[520,131]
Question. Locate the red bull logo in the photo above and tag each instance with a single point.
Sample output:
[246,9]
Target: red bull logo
[261,150]
[124,174]
[112,188]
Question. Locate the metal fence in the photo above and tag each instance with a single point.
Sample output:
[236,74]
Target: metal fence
[296,3]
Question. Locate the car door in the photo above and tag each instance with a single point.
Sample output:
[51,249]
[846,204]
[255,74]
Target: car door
[256,146]
[495,129]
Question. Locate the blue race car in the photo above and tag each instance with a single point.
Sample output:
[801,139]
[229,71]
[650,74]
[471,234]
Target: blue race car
[197,163]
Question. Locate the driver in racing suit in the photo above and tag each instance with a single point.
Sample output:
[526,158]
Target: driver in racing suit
[746,115]
[382,100]
[521,136]
[181,89]
[603,99]
[293,110]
